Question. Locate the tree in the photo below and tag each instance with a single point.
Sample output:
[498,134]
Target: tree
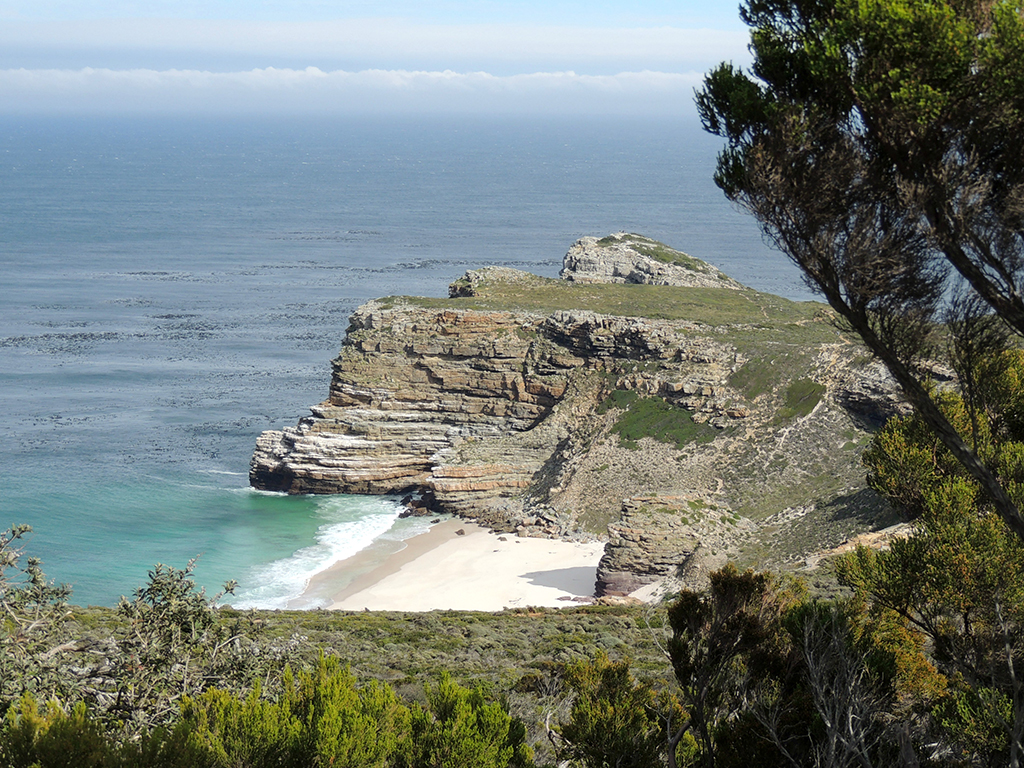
[615,721]
[831,705]
[772,678]
[723,641]
[958,580]
[877,142]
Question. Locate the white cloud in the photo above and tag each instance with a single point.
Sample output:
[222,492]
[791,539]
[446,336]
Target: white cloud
[366,43]
[313,90]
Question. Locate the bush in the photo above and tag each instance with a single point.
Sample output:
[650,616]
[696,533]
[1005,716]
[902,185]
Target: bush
[460,728]
[613,721]
[33,619]
[51,737]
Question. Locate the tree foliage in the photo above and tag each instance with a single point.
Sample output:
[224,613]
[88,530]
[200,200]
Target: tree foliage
[51,736]
[906,460]
[877,143]
[615,721]
[722,641]
[171,642]
[173,646]
[958,580]
[322,718]
[459,726]
[770,677]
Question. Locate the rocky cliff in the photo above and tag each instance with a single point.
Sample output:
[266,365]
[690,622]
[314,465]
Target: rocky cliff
[624,257]
[539,405]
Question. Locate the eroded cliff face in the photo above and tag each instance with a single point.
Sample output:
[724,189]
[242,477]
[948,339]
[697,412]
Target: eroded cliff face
[410,385]
[469,406]
[525,403]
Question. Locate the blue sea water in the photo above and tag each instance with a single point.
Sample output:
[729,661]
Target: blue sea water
[171,288]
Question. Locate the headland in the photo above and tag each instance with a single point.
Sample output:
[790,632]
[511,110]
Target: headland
[644,399]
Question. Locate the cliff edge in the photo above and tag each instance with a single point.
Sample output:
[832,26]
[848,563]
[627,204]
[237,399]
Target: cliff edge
[686,415]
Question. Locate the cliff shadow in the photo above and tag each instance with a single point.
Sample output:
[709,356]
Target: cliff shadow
[863,508]
[579,580]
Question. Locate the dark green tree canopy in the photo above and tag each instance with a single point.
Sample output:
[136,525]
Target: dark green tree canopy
[878,143]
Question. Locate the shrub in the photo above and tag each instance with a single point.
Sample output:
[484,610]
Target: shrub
[613,721]
[50,737]
[33,619]
[460,728]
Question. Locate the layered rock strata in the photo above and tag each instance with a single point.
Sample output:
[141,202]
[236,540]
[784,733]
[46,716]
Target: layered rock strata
[460,404]
[650,542]
[409,384]
[541,420]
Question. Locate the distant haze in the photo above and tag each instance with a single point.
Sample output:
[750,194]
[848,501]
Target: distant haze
[354,57]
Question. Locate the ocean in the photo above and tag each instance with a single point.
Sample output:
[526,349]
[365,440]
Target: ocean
[172,287]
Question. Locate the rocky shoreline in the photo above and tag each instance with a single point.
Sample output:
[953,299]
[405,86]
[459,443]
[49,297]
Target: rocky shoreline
[683,431]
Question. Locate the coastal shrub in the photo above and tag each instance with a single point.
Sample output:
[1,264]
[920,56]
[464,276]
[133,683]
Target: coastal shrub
[50,737]
[321,718]
[723,640]
[958,580]
[801,398]
[53,735]
[174,644]
[614,720]
[459,727]
[33,623]
[231,731]
[131,667]
[653,417]
[324,718]
[348,727]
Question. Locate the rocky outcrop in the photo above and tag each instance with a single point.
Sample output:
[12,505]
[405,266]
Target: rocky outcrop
[627,258]
[408,385]
[672,538]
[524,403]
[459,404]
[871,395]
[647,544]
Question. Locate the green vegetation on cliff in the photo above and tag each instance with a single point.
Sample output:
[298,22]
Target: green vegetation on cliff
[654,418]
[707,306]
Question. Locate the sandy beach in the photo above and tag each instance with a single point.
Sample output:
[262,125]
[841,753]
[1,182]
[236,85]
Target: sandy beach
[478,570]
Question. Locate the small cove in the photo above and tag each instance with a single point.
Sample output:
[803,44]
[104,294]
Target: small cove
[173,288]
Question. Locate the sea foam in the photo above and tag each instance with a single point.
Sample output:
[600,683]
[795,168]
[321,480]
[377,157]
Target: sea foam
[351,524]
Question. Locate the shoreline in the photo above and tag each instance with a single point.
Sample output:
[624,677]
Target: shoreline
[442,570]
[368,566]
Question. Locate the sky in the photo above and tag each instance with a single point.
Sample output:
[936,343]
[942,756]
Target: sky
[358,56]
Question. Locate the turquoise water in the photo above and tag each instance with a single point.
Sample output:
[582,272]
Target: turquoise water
[173,288]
